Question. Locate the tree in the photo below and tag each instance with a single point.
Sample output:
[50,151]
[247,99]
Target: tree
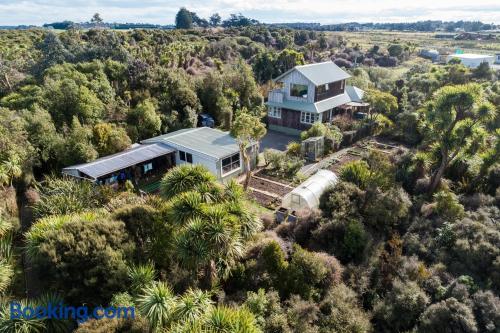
[145,120]
[288,59]
[215,20]
[247,130]
[382,102]
[454,124]
[96,20]
[109,139]
[183,19]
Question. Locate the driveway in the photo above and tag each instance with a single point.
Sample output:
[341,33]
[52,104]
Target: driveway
[276,140]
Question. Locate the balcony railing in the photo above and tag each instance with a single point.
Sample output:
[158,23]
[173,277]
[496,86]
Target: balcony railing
[276,96]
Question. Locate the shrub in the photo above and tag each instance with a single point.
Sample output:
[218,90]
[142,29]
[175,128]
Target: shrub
[342,313]
[293,149]
[83,258]
[310,273]
[448,316]
[356,172]
[447,206]
[341,201]
[347,239]
[66,196]
[387,210]
[401,307]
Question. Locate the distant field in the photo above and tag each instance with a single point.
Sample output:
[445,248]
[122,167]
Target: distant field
[423,39]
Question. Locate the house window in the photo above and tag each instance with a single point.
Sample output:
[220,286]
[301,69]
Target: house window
[148,167]
[274,112]
[342,85]
[186,157]
[327,87]
[298,90]
[309,117]
[230,163]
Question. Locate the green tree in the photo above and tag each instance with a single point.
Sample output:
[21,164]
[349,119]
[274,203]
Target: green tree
[183,19]
[145,120]
[215,20]
[382,102]
[454,124]
[109,139]
[248,130]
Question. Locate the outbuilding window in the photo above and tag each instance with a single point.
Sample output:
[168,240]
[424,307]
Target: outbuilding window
[186,157]
[230,163]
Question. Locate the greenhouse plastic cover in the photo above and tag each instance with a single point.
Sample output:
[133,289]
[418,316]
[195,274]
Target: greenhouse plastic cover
[307,194]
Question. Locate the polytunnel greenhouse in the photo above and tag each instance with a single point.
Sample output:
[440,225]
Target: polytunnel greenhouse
[307,194]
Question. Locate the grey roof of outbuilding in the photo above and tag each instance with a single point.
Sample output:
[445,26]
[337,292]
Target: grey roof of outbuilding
[204,140]
[112,163]
[355,94]
[319,73]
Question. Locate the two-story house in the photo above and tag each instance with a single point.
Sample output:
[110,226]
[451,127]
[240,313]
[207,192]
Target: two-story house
[311,93]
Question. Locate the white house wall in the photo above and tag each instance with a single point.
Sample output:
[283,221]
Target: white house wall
[198,158]
[297,78]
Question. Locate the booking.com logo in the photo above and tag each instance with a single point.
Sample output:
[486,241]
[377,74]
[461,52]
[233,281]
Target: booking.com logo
[64,312]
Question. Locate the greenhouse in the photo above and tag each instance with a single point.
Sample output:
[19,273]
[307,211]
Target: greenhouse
[307,194]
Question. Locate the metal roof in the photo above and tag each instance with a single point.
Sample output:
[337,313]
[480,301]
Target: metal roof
[351,94]
[109,164]
[355,94]
[317,107]
[204,140]
[319,73]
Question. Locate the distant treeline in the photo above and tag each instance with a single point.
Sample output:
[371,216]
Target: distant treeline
[238,20]
[413,26]
[86,25]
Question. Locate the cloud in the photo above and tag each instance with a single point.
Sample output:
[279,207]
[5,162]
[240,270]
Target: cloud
[323,11]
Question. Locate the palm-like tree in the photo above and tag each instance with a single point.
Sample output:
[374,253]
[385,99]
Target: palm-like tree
[186,206]
[212,242]
[229,320]
[11,169]
[184,178]
[192,306]
[20,325]
[157,305]
[141,276]
[52,324]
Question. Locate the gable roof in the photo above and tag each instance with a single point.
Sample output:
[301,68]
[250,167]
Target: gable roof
[129,157]
[319,73]
[204,140]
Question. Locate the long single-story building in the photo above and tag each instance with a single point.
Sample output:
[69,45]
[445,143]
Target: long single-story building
[472,60]
[144,164]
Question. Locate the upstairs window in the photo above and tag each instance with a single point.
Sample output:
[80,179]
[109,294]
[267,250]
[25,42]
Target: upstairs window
[298,90]
[309,117]
[274,112]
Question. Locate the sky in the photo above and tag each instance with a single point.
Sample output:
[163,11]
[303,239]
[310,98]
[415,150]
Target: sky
[38,12]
